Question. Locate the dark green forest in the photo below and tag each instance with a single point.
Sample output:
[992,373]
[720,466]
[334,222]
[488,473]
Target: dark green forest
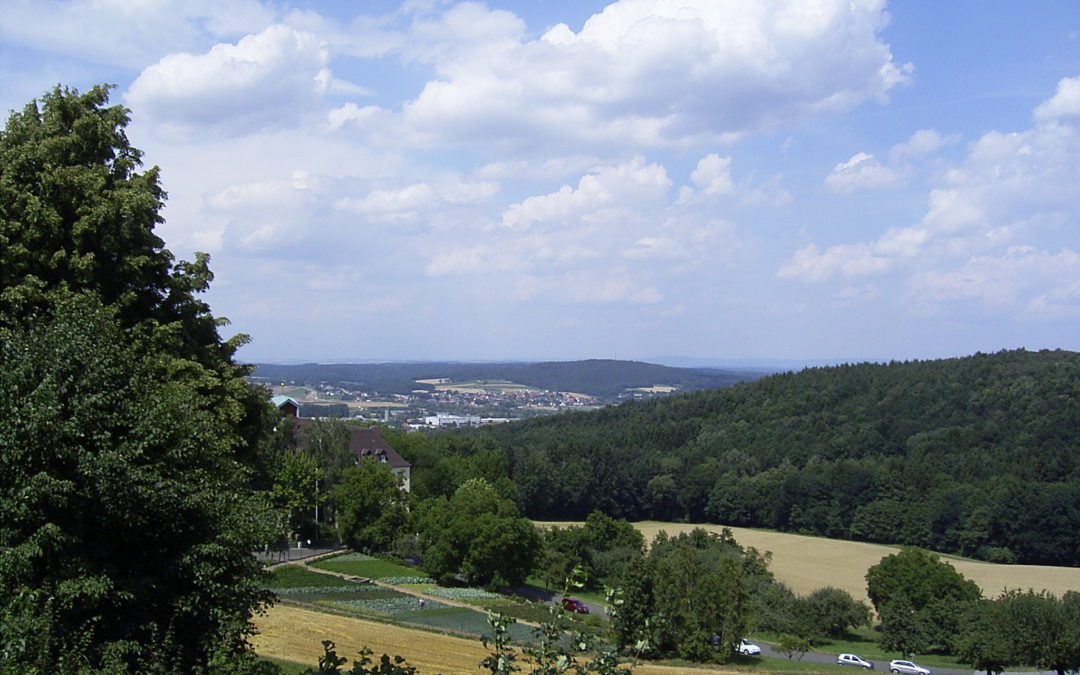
[604,378]
[978,456]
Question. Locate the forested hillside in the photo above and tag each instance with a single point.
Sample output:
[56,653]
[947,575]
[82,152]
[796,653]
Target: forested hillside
[604,378]
[977,455]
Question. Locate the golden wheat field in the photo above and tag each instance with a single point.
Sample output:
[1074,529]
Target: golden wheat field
[296,634]
[806,564]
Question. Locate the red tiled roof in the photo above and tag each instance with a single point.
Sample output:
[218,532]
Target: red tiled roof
[364,442]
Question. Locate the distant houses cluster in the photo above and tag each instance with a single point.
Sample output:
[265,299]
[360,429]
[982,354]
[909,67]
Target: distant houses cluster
[445,420]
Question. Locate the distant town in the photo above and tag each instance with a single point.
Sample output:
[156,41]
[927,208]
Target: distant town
[437,395]
[448,404]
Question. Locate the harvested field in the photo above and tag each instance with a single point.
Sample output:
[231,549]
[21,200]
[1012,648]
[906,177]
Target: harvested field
[295,634]
[806,564]
[483,386]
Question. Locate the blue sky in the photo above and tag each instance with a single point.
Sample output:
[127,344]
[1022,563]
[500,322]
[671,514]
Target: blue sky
[838,180]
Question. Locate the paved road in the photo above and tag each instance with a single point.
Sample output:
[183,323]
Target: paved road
[291,554]
[879,666]
[543,595]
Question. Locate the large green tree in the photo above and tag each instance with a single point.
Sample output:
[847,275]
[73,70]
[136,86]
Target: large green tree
[917,594]
[372,509]
[477,535]
[295,493]
[987,640]
[1045,628]
[124,449]
[76,215]
[690,593]
[830,612]
[128,528]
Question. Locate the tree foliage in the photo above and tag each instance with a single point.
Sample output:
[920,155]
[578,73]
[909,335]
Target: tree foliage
[690,597]
[294,492]
[76,215]
[921,600]
[372,509]
[971,455]
[478,536]
[829,613]
[128,518]
[601,549]
[128,529]
[986,638]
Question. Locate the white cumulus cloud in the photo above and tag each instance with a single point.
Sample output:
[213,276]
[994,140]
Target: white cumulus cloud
[267,80]
[974,240]
[661,73]
[613,186]
[128,33]
[862,172]
[1063,105]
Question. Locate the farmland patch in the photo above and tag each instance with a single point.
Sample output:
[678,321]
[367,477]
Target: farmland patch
[296,634]
[806,563]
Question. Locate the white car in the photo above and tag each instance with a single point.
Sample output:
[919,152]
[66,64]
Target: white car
[747,648]
[909,667]
[852,660]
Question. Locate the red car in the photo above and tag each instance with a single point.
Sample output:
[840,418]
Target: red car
[574,605]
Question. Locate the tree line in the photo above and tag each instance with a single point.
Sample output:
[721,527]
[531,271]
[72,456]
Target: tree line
[603,378]
[926,606]
[974,455]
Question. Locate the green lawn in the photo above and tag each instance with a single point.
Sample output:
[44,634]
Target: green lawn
[292,576]
[864,643]
[372,569]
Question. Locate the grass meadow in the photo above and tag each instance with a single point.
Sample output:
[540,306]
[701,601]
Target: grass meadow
[360,565]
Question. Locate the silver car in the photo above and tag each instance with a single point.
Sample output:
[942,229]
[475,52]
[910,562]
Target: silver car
[747,648]
[909,667]
[852,660]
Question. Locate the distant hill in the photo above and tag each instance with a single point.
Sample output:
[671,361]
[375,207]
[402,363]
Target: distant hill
[978,456]
[604,378]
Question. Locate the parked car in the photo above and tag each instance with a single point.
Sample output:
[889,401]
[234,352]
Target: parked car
[853,660]
[747,648]
[574,605]
[909,667]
